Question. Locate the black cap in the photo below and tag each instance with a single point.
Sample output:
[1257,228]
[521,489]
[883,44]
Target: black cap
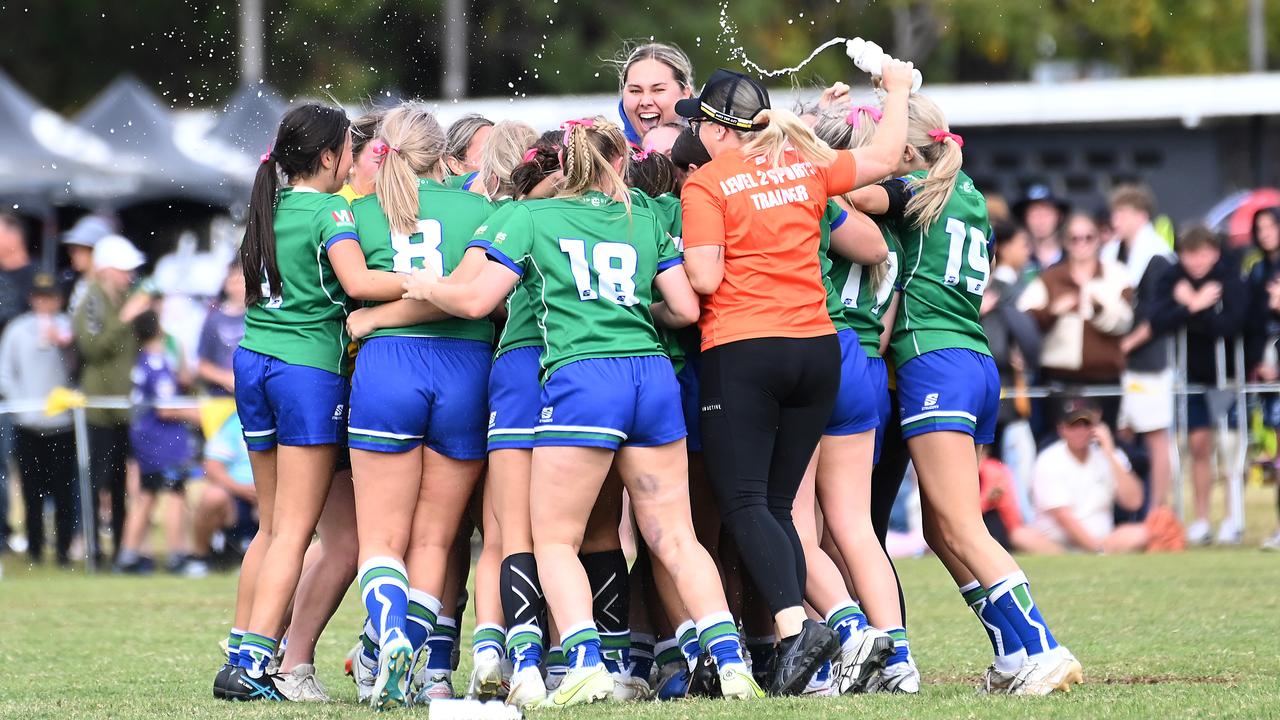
[688,150]
[1040,192]
[728,98]
[1074,409]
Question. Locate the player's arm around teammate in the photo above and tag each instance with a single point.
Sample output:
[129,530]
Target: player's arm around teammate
[942,221]
[417,445]
[290,388]
[608,391]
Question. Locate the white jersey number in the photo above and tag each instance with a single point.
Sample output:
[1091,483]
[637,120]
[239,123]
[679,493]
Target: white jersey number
[269,301]
[419,250]
[977,257]
[853,285]
[614,265]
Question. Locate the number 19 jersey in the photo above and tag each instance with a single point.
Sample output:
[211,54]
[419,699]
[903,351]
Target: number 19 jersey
[588,266]
[944,271]
[447,220]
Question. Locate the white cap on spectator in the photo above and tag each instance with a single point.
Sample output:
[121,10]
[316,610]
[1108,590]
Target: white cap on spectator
[87,231]
[114,251]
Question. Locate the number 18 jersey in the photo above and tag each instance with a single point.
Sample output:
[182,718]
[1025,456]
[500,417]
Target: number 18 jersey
[944,272]
[447,220]
[588,266]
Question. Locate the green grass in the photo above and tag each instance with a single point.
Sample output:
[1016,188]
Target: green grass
[1175,636]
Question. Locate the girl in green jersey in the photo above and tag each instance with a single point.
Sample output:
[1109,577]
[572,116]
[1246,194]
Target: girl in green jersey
[291,392]
[592,260]
[942,222]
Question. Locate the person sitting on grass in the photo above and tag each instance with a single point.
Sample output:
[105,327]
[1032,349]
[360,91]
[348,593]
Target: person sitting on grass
[163,446]
[229,501]
[1079,480]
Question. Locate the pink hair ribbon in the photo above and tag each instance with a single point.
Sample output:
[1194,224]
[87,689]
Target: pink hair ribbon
[942,135]
[641,155]
[530,155]
[266,156]
[854,117]
[380,148]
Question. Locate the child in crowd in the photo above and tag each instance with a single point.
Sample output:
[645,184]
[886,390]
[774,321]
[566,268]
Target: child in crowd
[163,446]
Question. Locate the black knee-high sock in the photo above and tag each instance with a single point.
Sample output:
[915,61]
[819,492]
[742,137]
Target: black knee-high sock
[523,606]
[611,604]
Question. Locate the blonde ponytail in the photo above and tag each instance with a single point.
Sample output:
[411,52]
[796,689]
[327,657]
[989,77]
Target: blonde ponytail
[413,147]
[928,133]
[784,129]
[846,129]
[502,153]
[590,146]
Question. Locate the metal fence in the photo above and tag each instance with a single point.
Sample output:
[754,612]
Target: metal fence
[1224,393]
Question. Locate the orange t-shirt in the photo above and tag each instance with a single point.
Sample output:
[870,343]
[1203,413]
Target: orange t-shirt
[767,219]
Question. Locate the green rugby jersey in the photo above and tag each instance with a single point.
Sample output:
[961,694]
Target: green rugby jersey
[666,208]
[832,218]
[521,329]
[864,301]
[305,323]
[589,267]
[447,219]
[460,182]
[943,275]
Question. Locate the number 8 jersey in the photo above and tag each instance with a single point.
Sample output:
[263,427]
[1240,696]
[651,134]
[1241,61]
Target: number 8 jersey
[447,220]
[943,274]
[588,266]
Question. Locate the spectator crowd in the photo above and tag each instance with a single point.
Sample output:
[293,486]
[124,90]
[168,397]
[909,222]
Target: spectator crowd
[1075,299]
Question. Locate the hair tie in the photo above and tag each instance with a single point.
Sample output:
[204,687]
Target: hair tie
[380,148]
[641,155]
[942,135]
[854,117]
[530,155]
[267,156]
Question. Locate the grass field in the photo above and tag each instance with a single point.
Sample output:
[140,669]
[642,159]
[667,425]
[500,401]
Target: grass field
[1195,635]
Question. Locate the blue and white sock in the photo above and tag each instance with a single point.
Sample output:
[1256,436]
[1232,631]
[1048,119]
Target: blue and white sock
[846,618]
[718,636]
[524,647]
[689,647]
[1005,643]
[440,645]
[581,645]
[384,587]
[667,651]
[256,653]
[369,644]
[557,663]
[901,648]
[423,611]
[488,638]
[1012,595]
[233,645]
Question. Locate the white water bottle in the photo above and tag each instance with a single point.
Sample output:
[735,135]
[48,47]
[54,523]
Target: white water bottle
[472,710]
[869,57]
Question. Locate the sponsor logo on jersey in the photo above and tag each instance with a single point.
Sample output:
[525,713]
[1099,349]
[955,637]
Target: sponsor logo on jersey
[338,412]
[546,414]
[344,218]
[930,401]
[499,237]
[966,186]
[493,419]
[711,407]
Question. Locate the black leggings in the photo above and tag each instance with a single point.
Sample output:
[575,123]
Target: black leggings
[47,461]
[108,451]
[765,403]
[886,479]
